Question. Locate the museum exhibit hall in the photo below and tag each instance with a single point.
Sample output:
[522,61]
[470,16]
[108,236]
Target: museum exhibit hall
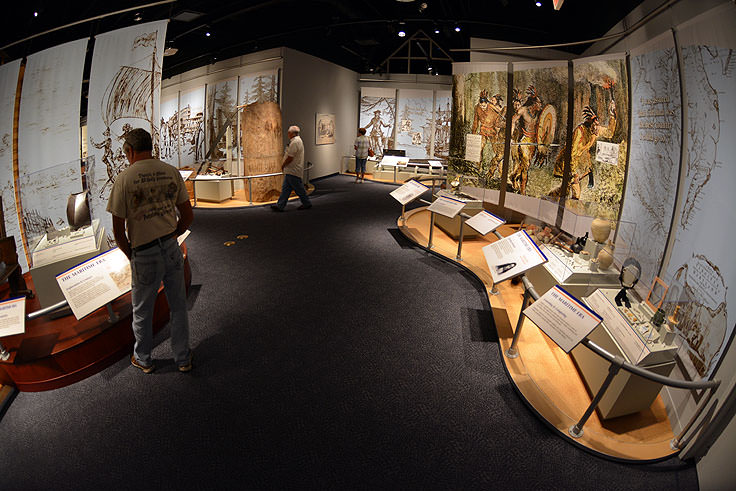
[441,245]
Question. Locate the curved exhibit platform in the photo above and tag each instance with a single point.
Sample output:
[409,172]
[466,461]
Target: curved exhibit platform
[54,353]
[544,375]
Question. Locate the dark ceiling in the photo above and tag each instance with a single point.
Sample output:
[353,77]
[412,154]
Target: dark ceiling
[358,34]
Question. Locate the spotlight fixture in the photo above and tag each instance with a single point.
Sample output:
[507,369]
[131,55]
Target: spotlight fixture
[436,29]
[208,34]
[170,50]
[457,28]
[401,33]
[538,3]
[138,17]
[35,14]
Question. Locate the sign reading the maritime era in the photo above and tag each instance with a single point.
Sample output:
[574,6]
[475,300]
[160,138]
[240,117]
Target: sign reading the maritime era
[562,317]
[90,285]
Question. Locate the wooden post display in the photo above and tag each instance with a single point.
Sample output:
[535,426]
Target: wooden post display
[262,142]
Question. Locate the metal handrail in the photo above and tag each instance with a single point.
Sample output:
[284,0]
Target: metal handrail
[194,180]
[617,363]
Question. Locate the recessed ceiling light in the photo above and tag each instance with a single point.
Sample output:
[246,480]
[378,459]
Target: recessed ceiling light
[207,34]
[457,28]
[538,4]
[402,33]
[35,14]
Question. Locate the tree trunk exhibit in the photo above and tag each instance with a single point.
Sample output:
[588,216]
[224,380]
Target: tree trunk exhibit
[261,139]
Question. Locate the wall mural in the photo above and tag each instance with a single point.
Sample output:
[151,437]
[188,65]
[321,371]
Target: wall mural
[8,86]
[702,254]
[49,113]
[169,130]
[414,133]
[479,108]
[222,100]
[191,127]
[378,116]
[259,87]
[442,120]
[538,133]
[124,92]
[599,139]
[654,165]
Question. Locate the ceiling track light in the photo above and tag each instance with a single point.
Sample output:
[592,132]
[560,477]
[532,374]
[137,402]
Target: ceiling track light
[137,17]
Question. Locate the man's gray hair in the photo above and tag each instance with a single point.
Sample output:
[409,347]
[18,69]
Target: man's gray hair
[293,129]
[139,140]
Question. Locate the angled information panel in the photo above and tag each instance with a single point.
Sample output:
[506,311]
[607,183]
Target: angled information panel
[562,317]
[512,255]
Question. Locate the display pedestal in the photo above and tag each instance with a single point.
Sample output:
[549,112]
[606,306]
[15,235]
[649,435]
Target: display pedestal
[44,277]
[572,274]
[451,226]
[628,393]
[213,190]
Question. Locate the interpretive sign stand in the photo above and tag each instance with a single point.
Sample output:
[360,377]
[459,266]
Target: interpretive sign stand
[512,256]
[562,317]
[408,191]
[446,206]
[13,316]
[92,284]
[485,222]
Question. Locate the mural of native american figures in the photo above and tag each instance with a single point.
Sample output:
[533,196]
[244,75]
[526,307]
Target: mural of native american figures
[599,140]
[538,130]
[378,116]
[479,108]
[124,93]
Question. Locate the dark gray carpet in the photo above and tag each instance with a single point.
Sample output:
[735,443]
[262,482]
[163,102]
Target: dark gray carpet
[328,354]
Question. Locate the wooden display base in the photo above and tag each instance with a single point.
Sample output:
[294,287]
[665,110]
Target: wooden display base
[544,375]
[54,353]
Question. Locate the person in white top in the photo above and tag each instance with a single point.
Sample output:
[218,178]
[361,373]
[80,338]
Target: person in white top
[293,169]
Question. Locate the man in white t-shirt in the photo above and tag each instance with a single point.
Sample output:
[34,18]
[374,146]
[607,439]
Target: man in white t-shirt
[293,169]
[145,200]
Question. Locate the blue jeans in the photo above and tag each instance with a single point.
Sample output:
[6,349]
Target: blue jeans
[165,262]
[360,165]
[295,183]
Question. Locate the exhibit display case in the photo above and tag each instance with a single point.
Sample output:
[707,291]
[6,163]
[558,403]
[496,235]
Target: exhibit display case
[584,253]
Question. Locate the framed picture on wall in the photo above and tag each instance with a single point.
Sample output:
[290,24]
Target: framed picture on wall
[325,129]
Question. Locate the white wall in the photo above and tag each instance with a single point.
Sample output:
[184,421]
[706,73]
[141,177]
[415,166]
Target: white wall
[311,85]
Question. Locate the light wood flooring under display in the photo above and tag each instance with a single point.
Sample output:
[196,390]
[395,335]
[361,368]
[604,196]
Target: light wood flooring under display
[240,200]
[545,375]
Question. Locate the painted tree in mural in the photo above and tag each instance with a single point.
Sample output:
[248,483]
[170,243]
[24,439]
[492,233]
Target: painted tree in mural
[221,107]
[262,89]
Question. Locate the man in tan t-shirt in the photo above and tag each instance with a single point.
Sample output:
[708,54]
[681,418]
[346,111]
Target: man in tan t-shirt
[144,200]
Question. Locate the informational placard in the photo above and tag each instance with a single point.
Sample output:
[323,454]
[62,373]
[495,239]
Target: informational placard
[512,255]
[435,164]
[562,317]
[556,266]
[408,191]
[449,207]
[485,222]
[207,177]
[183,237]
[615,322]
[394,161]
[13,316]
[92,284]
[185,174]
[606,152]
[473,147]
